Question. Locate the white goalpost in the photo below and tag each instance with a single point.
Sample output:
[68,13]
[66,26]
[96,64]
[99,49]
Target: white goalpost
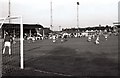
[21,36]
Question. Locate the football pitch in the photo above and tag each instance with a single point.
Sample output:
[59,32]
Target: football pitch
[74,57]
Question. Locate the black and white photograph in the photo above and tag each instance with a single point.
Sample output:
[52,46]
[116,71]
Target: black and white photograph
[59,38]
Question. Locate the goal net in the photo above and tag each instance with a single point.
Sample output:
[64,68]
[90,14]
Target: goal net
[3,20]
[0,57]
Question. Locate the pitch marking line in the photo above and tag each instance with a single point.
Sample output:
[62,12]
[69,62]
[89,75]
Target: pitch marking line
[60,74]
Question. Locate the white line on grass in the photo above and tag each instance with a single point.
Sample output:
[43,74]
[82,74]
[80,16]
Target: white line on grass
[51,73]
[41,71]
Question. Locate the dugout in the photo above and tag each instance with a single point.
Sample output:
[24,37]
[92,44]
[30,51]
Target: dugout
[117,24]
[14,29]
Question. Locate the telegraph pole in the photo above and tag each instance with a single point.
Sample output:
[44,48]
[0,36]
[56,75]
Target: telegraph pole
[78,14]
[9,11]
[51,17]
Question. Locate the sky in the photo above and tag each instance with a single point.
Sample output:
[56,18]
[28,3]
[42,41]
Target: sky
[91,12]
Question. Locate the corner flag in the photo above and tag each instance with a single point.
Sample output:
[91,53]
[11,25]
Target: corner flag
[77,3]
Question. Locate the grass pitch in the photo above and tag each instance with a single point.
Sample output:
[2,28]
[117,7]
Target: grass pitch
[75,57]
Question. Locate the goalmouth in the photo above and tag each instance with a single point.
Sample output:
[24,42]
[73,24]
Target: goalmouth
[21,36]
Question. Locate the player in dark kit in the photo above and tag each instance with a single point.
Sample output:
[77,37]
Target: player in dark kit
[7,43]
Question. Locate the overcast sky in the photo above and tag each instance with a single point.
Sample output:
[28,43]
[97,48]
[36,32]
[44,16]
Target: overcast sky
[91,12]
